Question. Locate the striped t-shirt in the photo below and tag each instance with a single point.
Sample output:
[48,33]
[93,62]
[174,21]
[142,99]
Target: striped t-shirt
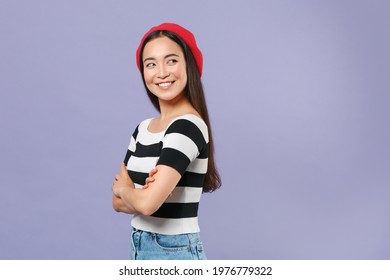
[184,147]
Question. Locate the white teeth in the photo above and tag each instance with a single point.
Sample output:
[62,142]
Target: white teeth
[165,84]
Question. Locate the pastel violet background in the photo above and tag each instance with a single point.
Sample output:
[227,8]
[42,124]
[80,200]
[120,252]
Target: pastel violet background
[298,93]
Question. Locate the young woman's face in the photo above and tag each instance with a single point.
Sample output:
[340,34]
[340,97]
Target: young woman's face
[164,69]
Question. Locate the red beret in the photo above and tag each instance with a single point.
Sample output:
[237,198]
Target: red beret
[184,34]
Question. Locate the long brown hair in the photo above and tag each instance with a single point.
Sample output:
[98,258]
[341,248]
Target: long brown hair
[195,95]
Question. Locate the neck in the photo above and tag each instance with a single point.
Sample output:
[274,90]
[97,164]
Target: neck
[173,108]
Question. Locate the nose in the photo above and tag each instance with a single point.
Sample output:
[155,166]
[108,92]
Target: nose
[162,72]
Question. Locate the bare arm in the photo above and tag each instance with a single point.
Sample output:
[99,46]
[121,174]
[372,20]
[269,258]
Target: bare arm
[146,201]
[120,206]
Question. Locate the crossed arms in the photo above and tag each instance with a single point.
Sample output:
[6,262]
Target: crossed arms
[147,200]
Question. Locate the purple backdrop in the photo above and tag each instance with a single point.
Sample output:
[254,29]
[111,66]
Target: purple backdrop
[298,93]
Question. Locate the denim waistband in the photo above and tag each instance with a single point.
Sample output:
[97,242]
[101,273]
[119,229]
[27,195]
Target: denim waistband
[193,237]
[155,246]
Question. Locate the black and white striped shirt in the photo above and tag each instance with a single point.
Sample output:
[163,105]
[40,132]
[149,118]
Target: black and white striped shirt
[184,147]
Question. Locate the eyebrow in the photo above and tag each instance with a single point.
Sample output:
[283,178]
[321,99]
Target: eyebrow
[165,57]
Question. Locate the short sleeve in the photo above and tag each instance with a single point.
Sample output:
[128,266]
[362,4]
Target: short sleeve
[131,148]
[183,142]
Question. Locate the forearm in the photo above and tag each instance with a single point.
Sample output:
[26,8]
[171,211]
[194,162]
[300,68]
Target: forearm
[119,206]
[146,201]
[137,201]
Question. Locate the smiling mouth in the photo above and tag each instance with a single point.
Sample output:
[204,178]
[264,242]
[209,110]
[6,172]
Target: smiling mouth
[165,84]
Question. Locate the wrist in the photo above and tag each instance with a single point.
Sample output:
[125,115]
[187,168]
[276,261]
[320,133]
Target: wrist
[122,190]
[117,191]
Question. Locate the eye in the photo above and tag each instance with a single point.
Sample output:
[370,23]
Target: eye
[172,61]
[150,65]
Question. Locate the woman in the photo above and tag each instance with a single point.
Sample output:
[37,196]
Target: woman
[169,162]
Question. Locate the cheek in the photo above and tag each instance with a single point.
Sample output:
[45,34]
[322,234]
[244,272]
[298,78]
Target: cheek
[181,73]
[147,77]
[148,80]
[184,78]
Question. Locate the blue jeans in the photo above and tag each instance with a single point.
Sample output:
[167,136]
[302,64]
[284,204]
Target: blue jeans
[154,246]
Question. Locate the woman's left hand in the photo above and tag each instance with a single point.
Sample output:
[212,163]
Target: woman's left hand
[122,181]
[150,179]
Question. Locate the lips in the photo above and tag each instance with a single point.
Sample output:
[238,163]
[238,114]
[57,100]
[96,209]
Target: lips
[165,85]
